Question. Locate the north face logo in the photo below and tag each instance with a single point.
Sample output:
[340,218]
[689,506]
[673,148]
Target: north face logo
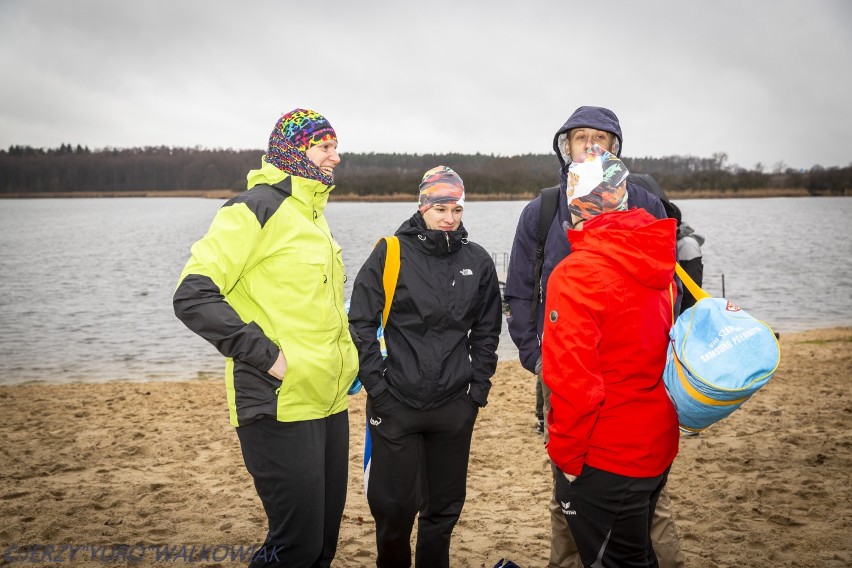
[466,272]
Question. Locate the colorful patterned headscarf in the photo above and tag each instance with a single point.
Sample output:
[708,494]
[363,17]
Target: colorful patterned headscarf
[293,134]
[597,183]
[440,185]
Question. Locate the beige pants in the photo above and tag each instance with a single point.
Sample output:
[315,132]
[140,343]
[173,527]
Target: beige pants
[563,551]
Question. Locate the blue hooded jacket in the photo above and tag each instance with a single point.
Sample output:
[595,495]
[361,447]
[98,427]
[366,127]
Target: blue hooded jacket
[520,279]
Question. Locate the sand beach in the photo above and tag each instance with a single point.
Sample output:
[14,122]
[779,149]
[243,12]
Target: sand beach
[137,474]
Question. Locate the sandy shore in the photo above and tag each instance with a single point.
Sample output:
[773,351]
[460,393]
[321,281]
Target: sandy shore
[87,468]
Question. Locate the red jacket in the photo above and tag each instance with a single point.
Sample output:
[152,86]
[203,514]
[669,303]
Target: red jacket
[606,325]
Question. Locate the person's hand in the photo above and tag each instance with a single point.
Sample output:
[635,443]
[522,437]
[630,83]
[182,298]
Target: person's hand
[279,367]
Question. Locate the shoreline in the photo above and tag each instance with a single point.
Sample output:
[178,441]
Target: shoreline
[523,196]
[157,464]
[212,368]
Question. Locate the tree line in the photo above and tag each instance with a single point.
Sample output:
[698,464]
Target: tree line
[24,170]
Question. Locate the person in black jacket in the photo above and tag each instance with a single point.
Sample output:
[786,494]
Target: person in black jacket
[422,400]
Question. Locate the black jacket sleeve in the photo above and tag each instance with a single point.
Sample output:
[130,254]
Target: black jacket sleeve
[520,283]
[200,305]
[365,317]
[485,335]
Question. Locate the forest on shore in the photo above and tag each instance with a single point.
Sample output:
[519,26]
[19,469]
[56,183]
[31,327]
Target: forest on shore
[161,170]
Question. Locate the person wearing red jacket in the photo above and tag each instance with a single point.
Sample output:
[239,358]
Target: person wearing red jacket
[613,429]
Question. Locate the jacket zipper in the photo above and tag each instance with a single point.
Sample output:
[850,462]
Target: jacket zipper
[325,283]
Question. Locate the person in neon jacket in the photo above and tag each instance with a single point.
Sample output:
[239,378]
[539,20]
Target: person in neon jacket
[265,287]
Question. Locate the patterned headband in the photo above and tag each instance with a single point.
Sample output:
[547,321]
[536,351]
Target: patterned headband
[440,185]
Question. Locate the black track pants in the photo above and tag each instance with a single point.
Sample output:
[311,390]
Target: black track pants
[300,472]
[405,440]
[610,516]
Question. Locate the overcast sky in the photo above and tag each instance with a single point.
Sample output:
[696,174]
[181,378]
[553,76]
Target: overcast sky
[766,81]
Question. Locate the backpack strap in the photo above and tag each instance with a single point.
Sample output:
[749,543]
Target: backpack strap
[390,274]
[549,204]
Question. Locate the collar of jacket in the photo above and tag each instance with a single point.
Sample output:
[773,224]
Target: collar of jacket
[310,192]
[434,242]
[642,245]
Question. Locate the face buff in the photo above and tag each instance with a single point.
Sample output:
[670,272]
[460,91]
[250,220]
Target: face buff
[597,183]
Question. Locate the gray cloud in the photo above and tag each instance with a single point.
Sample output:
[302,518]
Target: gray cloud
[763,81]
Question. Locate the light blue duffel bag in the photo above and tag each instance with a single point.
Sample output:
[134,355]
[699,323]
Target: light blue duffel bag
[718,357]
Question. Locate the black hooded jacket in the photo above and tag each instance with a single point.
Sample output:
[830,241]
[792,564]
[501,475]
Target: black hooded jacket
[444,322]
[520,280]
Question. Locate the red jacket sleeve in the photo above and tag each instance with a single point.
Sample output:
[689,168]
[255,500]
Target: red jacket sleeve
[576,298]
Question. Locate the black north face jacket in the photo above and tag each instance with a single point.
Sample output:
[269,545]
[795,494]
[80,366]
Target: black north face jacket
[444,322]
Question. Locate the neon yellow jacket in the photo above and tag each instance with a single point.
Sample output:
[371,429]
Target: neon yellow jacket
[269,275]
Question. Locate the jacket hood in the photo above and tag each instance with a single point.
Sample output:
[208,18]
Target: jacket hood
[311,192]
[598,118]
[685,230]
[640,244]
[438,243]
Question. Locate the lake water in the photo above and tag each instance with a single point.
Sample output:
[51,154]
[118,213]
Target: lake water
[87,283]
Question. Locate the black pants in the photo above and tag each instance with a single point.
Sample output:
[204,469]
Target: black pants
[419,461]
[539,399]
[610,516]
[300,472]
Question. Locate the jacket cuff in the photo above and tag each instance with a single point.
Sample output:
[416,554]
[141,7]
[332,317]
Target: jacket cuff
[570,464]
[479,394]
[263,360]
[531,362]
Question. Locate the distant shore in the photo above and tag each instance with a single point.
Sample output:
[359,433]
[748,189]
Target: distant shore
[335,196]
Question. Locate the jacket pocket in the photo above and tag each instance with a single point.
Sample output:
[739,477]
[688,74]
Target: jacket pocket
[255,392]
